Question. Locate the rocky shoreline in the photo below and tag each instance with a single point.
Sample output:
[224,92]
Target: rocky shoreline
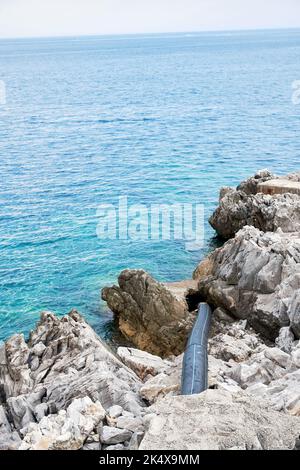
[66,389]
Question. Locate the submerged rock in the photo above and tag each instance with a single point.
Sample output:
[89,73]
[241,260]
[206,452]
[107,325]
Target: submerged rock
[149,314]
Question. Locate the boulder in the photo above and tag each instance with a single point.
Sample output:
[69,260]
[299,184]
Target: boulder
[160,386]
[115,411]
[141,362]
[218,420]
[111,435]
[133,424]
[149,315]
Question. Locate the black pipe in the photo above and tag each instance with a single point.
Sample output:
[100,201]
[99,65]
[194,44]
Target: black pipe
[195,360]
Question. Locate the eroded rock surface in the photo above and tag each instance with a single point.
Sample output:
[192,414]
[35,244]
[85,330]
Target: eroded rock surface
[41,382]
[217,420]
[256,276]
[67,430]
[246,206]
[150,315]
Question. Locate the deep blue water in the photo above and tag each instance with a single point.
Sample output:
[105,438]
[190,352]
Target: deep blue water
[163,118]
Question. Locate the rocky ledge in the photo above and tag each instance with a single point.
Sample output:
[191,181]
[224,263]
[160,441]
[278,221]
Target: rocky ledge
[153,316]
[65,388]
[249,205]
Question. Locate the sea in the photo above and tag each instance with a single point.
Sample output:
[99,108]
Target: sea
[157,119]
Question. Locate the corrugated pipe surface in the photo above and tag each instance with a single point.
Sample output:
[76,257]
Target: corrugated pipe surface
[195,361]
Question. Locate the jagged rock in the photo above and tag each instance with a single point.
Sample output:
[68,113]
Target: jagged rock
[220,315]
[283,393]
[255,276]
[285,339]
[23,408]
[263,367]
[14,371]
[111,435]
[9,439]
[225,347]
[294,313]
[250,186]
[168,383]
[160,386]
[149,314]
[182,289]
[142,362]
[67,430]
[246,206]
[132,424]
[217,420]
[135,441]
[73,363]
[233,343]
[272,374]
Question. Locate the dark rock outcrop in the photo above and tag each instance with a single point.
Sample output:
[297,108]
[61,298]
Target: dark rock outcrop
[152,316]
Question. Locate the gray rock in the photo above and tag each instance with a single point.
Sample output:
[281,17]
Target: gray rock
[294,313]
[14,371]
[161,385]
[115,411]
[74,363]
[141,362]
[283,394]
[132,424]
[9,439]
[217,420]
[246,206]
[68,430]
[112,435]
[285,339]
[251,185]
[40,411]
[135,441]
[254,276]
[92,446]
[115,447]
[22,408]
[38,349]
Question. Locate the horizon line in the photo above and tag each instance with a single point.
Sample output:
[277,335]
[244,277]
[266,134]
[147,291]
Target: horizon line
[203,31]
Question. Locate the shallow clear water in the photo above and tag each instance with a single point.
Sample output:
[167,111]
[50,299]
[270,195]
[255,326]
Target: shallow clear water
[167,118]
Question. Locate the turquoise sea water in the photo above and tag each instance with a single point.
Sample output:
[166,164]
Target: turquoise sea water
[161,119]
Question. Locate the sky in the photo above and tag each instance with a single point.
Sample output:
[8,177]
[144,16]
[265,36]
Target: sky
[29,18]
